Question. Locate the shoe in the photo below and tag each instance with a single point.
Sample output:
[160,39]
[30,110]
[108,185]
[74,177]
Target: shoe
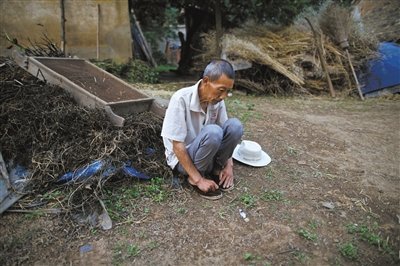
[216,180]
[210,195]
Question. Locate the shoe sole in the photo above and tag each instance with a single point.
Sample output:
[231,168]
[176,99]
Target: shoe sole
[227,189]
[205,196]
[216,197]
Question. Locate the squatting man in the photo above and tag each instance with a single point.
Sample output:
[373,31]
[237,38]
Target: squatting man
[198,136]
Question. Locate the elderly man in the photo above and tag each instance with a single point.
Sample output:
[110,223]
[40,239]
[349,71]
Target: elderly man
[199,138]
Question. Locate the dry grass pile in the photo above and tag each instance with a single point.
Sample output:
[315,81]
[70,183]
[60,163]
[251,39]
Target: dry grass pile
[285,60]
[45,47]
[44,130]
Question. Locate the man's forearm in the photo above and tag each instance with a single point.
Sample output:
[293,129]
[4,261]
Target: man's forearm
[186,162]
[229,162]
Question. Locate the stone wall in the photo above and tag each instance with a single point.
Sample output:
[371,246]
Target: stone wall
[30,19]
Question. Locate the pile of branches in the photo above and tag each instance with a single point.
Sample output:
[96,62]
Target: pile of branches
[285,59]
[45,131]
[45,47]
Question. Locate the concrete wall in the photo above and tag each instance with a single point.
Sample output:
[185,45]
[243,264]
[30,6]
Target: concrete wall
[29,19]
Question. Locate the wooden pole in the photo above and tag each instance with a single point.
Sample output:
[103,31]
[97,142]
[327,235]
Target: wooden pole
[218,27]
[98,32]
[354,75]
[318,39]
[63,42]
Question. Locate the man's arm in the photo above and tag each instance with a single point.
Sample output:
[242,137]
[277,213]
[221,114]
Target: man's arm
[195,177]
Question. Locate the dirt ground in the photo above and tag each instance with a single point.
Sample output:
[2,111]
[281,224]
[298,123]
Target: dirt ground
[329,197]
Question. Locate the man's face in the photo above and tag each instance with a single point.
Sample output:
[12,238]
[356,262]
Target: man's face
[216,91]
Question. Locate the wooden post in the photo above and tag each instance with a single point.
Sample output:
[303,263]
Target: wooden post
[143,43]
[218,27]
[354,75]
[318,39]
[63,42]
[98,32]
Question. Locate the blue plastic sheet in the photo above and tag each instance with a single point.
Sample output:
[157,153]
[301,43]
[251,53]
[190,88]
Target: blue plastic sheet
[149,151]
[82,173]
[17,176]
[383,71]
[95,167]
[132,172]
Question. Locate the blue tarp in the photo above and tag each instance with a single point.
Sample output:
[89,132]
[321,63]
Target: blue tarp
[384,71]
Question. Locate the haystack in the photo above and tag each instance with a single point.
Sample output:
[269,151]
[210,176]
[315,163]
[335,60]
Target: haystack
[285,60]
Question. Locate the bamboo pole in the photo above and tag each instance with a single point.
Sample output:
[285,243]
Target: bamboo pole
[63,42]
[354,75]
[218,27]
[98,32]
[318,39]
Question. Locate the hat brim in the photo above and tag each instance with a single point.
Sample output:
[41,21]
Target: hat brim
[265,159]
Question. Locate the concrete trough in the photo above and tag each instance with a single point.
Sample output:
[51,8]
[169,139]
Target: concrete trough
[91,86]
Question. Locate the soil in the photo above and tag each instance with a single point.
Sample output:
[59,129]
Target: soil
[335,166]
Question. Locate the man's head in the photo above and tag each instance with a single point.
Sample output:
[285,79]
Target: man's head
[218,79]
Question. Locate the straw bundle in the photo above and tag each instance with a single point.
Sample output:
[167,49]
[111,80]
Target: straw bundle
[335,21]
[284,60]
[245,49]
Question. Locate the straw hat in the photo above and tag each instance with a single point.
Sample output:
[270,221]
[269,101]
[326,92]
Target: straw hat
[250,152]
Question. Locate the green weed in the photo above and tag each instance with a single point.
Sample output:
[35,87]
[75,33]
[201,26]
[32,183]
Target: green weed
[124,251]
[349,250]
[153,245]
[292,151]
[181,210]
[243,111]
[272,195]
[250,106]
[34,215]
[307,234]
[52,195]
[132,250]
[115,207]
[269,174]
[155,190]
[248,256]
[251,257]
[165,68]
[248,200]
[301,256]
[222,214]
[132,71]
[367,234]
[119,201]
[313,224]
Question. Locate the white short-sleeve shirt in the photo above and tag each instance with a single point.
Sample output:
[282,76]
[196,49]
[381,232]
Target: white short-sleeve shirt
[184,119]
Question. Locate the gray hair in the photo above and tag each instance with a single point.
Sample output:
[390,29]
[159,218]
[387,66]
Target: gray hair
[216,68]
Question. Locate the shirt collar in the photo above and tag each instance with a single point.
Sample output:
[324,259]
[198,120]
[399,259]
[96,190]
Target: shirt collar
[195,100]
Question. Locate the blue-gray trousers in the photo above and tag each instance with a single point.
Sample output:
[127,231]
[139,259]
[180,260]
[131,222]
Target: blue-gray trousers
[211,149]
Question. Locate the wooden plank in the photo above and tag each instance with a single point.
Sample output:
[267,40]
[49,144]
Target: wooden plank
[82,96]
[41,68]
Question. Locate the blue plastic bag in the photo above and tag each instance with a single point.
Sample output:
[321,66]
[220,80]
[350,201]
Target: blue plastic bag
[132,172]
[82,173]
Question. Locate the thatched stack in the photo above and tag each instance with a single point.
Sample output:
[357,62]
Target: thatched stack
[285,60]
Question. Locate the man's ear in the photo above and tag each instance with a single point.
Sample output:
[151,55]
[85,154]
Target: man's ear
[206,79]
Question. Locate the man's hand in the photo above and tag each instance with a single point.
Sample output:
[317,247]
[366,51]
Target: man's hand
[226,175]
[195,177]
[204,184]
